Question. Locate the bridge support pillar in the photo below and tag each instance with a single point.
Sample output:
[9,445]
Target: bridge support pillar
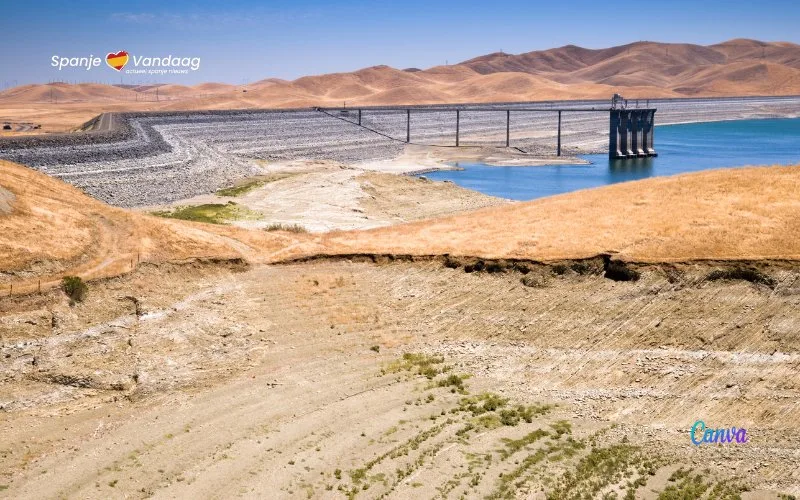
[508,127]
[648,129]
[613,135]
[558,147]
[637,144]
[623,134]
[631,133]
[408,125]
[458,126]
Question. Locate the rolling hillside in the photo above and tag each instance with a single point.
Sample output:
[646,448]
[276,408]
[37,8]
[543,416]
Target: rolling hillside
[637,70]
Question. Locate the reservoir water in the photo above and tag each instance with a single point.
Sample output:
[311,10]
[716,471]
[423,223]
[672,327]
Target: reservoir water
[681,148]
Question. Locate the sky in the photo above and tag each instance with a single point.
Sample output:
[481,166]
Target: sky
[242,41]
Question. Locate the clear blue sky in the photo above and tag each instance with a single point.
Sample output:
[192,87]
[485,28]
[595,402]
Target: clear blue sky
[240,40]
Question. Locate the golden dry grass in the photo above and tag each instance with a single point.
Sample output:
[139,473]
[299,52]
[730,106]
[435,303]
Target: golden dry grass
[54,229]
[743,213]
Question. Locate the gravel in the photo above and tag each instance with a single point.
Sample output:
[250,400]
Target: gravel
[155,158]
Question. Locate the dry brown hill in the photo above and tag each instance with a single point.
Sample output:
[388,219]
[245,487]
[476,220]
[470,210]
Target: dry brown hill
[641,69]
[636,70]
[97,92]
[65,92]
[51,229]
[778,52]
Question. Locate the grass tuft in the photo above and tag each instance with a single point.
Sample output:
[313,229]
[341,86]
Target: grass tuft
[251,184]
[452,380]
[241,188]
[291,228]
[422,364]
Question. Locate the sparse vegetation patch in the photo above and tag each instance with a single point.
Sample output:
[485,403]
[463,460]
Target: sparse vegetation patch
[211,213]
[290,228]
[418,363]
[251,184]
[241,188]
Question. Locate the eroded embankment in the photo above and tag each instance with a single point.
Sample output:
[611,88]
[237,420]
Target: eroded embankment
[717,306]
[758,272]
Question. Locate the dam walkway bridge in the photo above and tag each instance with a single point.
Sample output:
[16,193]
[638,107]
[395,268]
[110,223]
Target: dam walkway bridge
[631,130]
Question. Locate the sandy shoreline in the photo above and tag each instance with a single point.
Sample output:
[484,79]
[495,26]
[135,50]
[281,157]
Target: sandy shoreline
[416,159]
[322,196]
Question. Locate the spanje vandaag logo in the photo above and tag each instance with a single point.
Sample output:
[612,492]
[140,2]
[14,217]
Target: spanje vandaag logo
[117,61]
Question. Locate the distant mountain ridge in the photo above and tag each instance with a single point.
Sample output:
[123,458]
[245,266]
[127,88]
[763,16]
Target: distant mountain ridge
[738,67]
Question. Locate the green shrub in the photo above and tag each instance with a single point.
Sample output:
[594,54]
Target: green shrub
[509,417]
[74,287]
[423,364]
[452,380]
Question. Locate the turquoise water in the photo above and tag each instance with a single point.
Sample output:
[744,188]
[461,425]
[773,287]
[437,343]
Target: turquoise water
[681,148]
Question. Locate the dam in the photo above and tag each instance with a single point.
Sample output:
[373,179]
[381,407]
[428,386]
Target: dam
[138,159]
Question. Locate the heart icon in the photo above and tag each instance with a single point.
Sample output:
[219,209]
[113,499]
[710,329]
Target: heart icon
[118,60]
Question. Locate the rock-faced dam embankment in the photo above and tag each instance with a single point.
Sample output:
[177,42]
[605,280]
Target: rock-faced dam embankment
[140,159]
